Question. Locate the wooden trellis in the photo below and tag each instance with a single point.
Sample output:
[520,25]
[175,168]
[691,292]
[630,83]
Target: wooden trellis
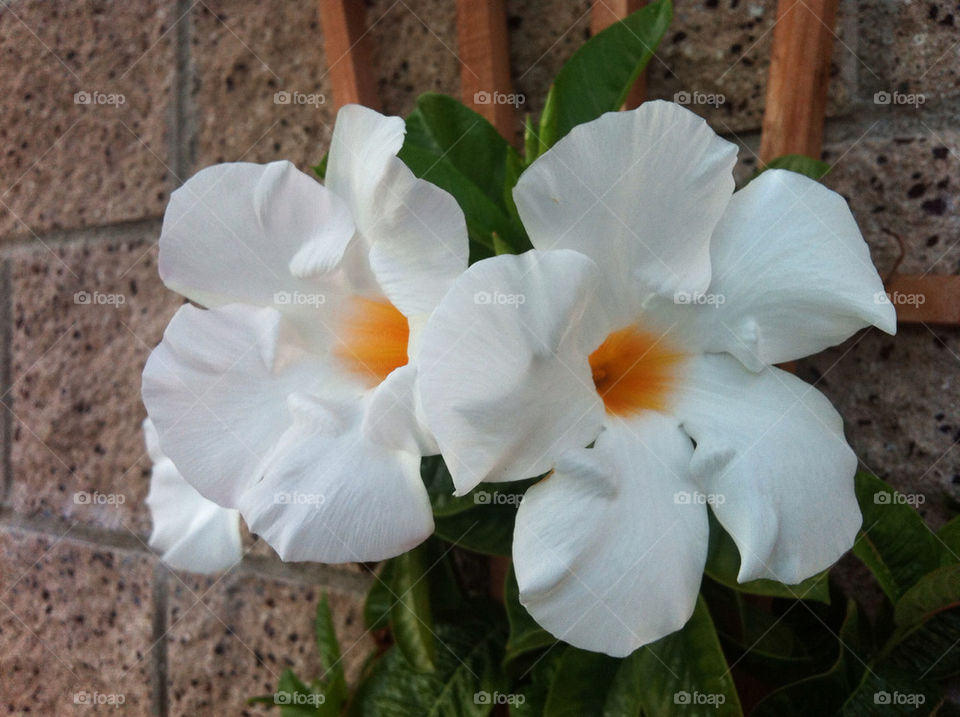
[793,115]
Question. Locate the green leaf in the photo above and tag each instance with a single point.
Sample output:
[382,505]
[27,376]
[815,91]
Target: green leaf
[327,642]
[580,684]
[684,673]
[321,169]
[723,565]
[926,642]
[455,148]
[487,527]
[598,77]
[440,488]
[825,693]
[800,163]
[410,616]
[885,694]
[894,542]
[950,537]
[525,634]
[376,608]
[296,699]
[466,682]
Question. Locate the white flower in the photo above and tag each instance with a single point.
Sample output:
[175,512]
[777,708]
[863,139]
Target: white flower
[652,308]
[191,532]
[291,397]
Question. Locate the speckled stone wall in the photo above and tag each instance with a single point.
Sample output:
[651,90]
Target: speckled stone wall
[107,106]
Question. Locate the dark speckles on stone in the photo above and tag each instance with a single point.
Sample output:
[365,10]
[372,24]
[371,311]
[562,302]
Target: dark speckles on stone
[679,36]
[935,206]
[932,241]
[916,190]
[885,351]
[881,159]
[940,152]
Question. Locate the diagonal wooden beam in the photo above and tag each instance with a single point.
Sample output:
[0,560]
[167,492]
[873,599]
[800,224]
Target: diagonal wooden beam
[603,13]
[485,62]
[347,46]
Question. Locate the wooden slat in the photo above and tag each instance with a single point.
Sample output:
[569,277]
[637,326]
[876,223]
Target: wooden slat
[604,13]
[348,53]
[798,77]
[485,61]
[925,299]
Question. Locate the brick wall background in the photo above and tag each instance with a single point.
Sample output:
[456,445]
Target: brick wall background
[84,605]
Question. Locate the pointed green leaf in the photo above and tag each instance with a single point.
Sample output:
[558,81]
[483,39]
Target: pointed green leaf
[580,684]
[685,673]
[598,77]
[894,542]
[525,634]
[926,642]
[410,616]
[466,683]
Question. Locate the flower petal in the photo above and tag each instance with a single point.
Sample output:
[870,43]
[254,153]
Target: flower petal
[416,231]
[394,416]
[333,496]
[792,275]
[216,389]
[191,532]
[231,232]
[639,192]
[771,449]
[608,555]
[504,375]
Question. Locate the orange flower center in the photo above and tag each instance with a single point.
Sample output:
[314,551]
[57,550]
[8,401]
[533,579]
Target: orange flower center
[633,371]
[373,340]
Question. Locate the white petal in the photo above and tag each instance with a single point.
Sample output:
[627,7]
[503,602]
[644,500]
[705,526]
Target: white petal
[771,448]
[231,232]
[216,389]
[504,373]
[416,231]
[394,417]
[639,192]
[608,553]
[331,495]
[191,532]
[792,275]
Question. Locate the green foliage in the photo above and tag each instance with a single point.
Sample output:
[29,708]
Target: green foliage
[599,75]
[894,542]
[799,163]
[455,148]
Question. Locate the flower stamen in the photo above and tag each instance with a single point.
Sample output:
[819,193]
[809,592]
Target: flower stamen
[633,371]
